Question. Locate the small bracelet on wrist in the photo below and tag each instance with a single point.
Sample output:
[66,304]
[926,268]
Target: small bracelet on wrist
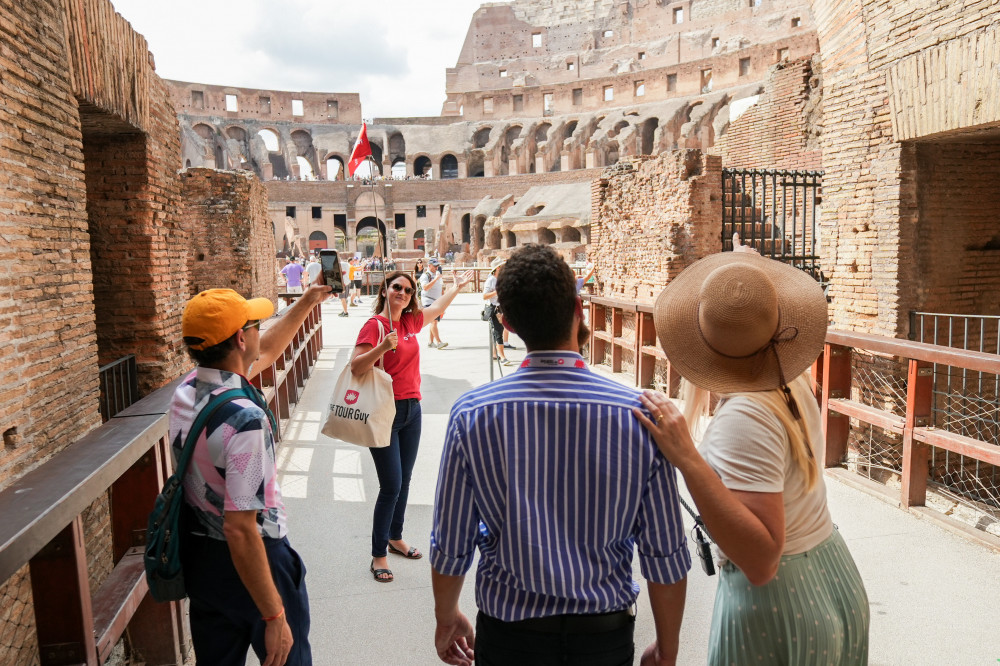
[275,617]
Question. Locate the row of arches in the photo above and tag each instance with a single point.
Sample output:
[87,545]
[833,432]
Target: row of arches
[493,149]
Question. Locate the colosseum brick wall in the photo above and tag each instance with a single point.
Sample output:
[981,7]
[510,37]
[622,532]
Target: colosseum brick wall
[232,246]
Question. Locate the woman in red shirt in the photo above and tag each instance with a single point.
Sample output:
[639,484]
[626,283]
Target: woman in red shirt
[394,463]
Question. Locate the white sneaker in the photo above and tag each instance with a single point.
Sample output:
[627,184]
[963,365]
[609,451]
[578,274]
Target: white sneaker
[442,345]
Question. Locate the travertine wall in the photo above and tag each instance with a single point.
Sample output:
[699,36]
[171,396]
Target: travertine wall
[652,218]
[232,246]
[894,74]
[782,130]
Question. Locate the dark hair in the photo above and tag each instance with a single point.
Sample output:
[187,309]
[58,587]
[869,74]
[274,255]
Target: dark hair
[537,294]
[210,356]
[414,306]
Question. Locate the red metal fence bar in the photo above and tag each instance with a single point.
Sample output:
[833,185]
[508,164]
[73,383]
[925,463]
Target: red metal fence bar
[128,456]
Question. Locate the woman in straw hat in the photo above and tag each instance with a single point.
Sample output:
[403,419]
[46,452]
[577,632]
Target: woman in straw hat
[748,328]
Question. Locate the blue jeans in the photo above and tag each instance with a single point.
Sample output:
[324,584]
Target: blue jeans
[394,466]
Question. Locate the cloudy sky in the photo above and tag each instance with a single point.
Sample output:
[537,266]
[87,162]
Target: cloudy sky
[393,52]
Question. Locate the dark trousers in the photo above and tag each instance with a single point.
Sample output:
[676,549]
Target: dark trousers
[496,328]
[394,466]
[225,622]
[501,643]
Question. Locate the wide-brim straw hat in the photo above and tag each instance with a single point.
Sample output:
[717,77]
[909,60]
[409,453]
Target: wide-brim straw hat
[736,321]
[497,263]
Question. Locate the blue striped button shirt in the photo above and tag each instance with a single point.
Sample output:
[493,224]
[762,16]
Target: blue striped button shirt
[549,473]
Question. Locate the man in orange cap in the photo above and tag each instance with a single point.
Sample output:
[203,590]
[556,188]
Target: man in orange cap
[245,582]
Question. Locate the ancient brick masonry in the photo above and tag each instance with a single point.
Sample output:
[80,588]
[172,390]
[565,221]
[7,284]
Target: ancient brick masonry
[651,218]
[782,130]
[232,245]
[894,74]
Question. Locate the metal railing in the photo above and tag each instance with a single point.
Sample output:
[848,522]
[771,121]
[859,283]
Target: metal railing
[119,386]
[966,402]
[126,461]
[775,212]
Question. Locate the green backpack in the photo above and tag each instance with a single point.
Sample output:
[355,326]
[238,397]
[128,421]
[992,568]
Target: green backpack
[164,572]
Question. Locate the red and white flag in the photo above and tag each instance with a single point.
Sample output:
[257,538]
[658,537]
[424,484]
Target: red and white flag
[362,150]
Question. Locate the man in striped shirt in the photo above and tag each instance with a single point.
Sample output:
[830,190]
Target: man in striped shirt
[552,478]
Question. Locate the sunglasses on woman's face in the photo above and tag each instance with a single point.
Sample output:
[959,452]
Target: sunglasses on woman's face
[398,287]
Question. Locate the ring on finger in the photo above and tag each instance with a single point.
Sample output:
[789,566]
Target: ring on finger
[659,417]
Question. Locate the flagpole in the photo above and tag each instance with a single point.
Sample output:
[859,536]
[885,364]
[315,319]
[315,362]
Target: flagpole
[381,243]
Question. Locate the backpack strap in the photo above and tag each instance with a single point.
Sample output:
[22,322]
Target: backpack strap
[207,412]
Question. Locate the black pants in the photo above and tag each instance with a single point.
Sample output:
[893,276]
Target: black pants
[225,622]
[496,326]
[501,643]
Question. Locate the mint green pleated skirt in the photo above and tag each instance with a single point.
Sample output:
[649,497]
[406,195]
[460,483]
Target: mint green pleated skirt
[814,611]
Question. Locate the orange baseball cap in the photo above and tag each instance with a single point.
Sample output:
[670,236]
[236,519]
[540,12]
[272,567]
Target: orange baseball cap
[215,315]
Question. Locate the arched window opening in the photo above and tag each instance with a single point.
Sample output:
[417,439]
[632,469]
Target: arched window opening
[570,128]
[237,133]
[481,137]
[449,167]
[399,169]
[466,228]
[305,169]
[368,231]
[619,126]
[418,239]
[511,239]
[571,235]
[397,148]
[334,168]
[204,131]
[422,167]
[270,140]
[542,133]
[317,241]
[305,151]
[535,210]
[546,237]
[648,132]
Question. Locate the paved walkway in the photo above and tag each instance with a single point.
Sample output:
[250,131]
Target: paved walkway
[935,597]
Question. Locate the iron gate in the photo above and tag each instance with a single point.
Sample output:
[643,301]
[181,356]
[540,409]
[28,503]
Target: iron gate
[775,212]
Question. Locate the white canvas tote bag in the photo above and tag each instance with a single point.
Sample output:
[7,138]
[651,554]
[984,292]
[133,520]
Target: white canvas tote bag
[362,408]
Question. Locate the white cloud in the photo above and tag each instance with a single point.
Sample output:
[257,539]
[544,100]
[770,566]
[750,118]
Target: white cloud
[393,53]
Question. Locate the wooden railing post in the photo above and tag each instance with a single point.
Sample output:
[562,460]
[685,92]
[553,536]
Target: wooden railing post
[836,384]
[617,315]
[60,588]
[919,399]
[155,629]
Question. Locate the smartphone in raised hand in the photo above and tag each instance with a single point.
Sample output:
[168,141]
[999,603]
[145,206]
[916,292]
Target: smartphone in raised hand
[333,277]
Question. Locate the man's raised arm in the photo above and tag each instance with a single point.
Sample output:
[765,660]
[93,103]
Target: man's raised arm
[274,340]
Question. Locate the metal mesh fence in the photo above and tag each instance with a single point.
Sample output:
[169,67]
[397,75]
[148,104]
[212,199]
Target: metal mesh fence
[18,643]
[880,382]
[965,403]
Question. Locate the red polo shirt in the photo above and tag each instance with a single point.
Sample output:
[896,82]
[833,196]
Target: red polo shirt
[403,365]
